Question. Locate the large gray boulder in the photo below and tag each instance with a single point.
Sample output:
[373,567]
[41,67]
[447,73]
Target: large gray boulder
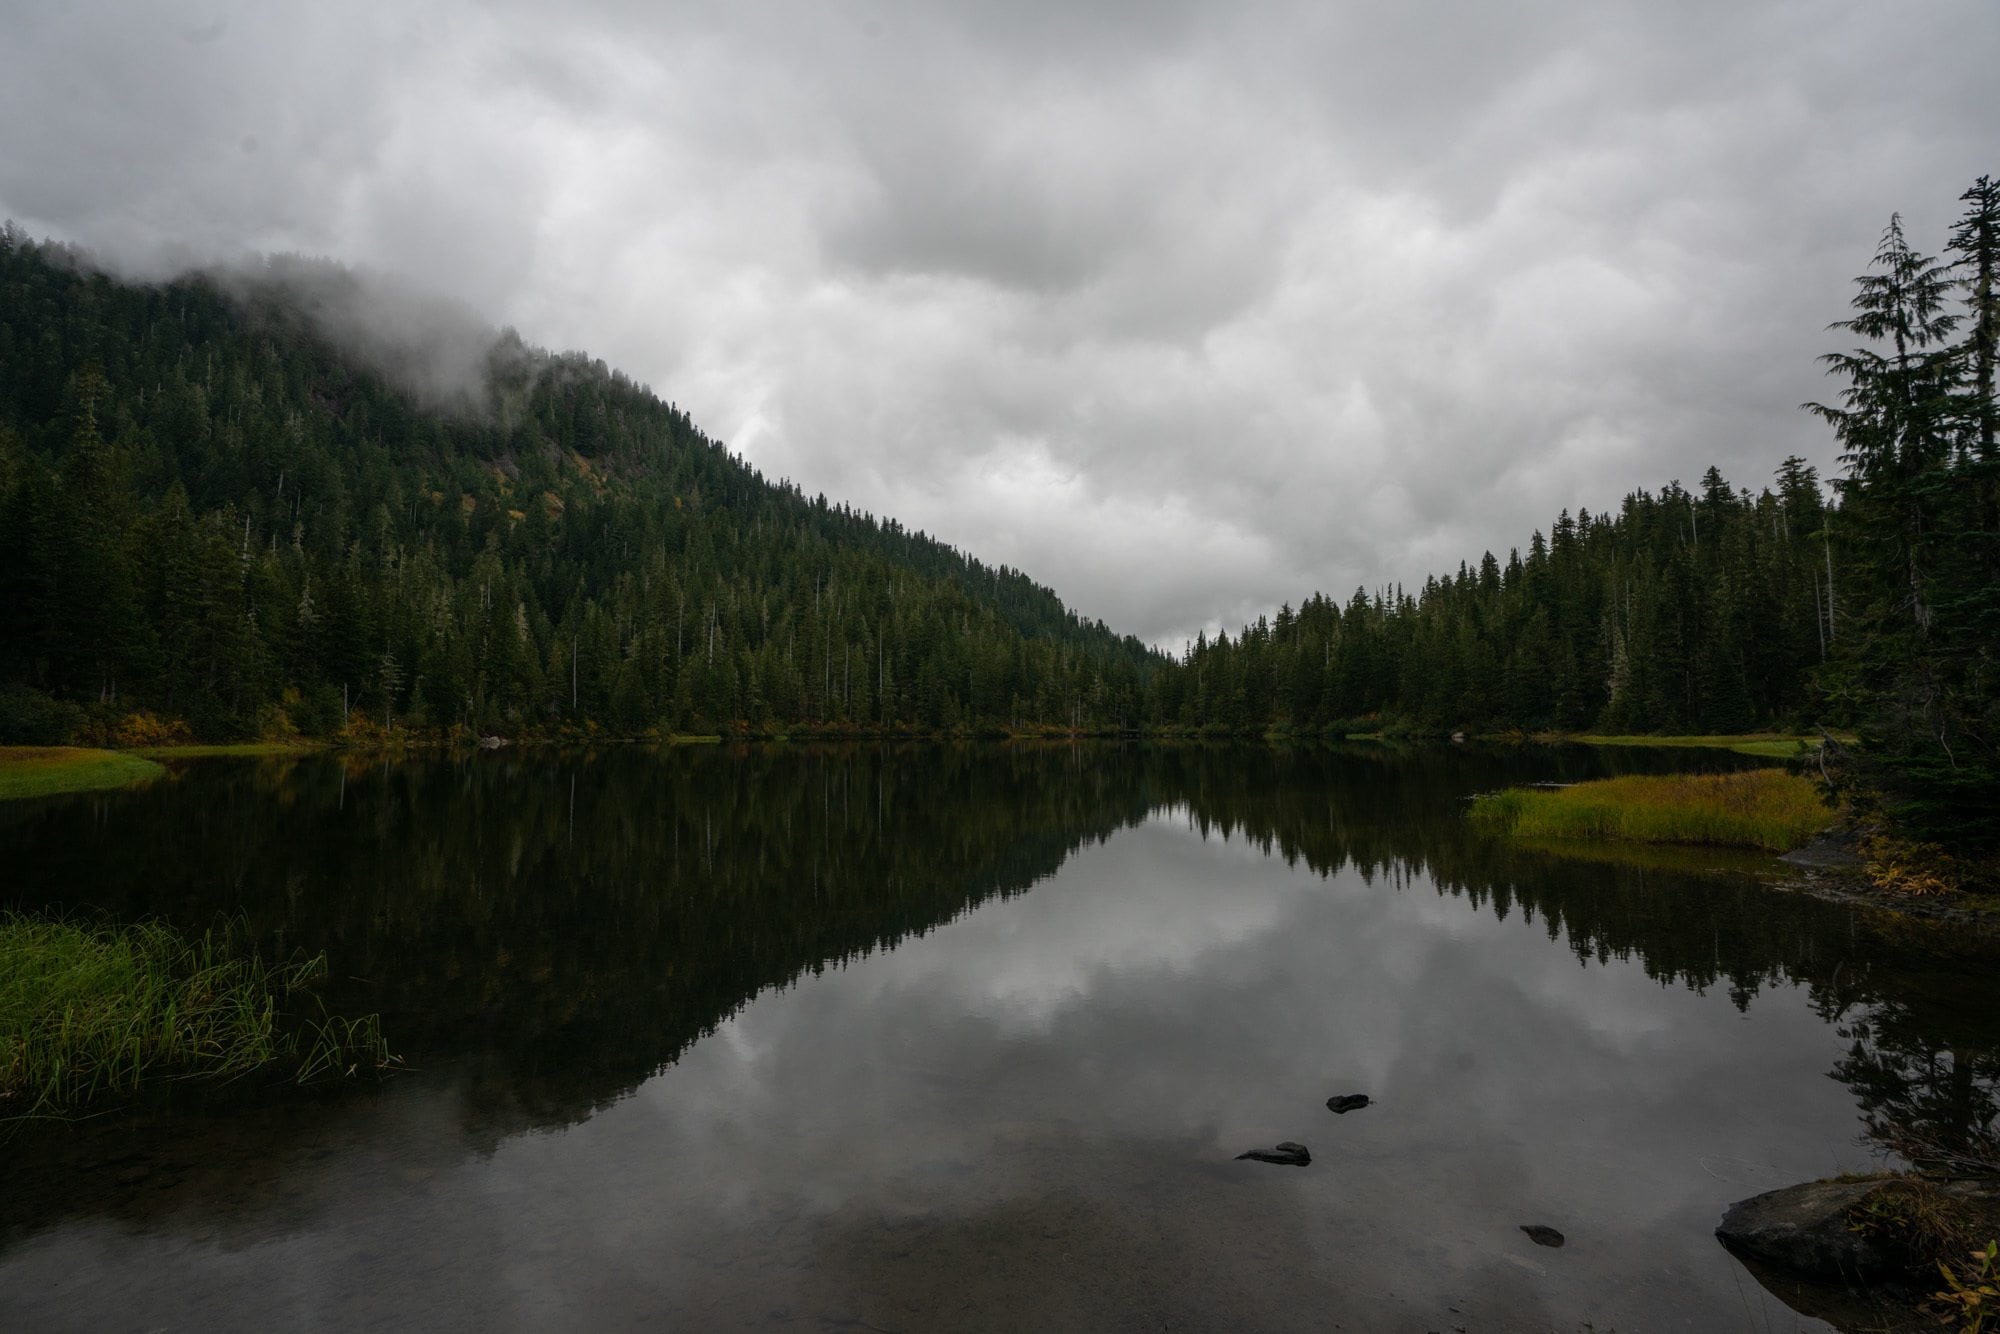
[1830,1230]
[1806,1229]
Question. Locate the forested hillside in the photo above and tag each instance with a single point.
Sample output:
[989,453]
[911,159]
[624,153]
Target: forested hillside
[211,511]
[215,512]
[216,507]
[1701,611]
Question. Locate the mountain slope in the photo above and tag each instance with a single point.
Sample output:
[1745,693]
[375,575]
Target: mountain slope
[215,506]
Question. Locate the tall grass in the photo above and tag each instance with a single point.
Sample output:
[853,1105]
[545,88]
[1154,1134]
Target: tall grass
[1762,808]
[94,1012]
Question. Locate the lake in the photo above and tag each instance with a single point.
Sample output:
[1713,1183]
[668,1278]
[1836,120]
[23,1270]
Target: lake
[934,1037]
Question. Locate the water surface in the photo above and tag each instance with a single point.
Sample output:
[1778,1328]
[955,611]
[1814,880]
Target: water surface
[933,1037]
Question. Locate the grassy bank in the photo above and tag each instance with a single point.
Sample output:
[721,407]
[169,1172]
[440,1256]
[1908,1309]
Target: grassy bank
[1763,808]
[46,771]
[90,1013]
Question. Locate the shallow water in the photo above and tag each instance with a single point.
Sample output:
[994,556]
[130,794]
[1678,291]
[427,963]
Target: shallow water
[969,1038]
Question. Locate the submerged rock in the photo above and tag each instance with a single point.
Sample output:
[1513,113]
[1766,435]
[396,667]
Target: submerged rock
[1287,1154]
[1542,1235]
[1346,1102]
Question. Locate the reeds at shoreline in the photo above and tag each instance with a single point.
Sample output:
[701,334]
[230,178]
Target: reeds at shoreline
[90,1013]
[1759,808]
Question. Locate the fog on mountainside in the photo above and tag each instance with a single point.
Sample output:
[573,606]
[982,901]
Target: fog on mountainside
[280,502]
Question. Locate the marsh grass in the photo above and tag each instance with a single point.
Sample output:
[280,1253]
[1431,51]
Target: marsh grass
[1911,1211]
[90,1013]
[1761,808]
[46,771]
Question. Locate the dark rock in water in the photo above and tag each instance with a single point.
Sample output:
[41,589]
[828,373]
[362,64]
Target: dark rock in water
[1287,1154]
[1805,1229]
[1542,1236]
[1347,1102]
[1848,1252]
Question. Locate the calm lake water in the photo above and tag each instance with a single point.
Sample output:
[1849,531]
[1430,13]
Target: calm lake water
[968,1038]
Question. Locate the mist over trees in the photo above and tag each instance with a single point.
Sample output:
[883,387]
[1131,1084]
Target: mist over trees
[211,510]
[217,510]
[218,506]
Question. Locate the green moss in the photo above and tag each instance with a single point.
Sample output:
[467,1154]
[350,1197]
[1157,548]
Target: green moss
[46,771]
[1763,808]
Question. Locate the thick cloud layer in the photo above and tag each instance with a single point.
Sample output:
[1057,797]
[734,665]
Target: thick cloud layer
[1186,308]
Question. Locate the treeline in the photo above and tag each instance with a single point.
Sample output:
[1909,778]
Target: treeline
[211,512]
[1918,665]
[1686,611]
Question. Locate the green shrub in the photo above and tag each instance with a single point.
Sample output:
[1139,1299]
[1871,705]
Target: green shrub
[30,718]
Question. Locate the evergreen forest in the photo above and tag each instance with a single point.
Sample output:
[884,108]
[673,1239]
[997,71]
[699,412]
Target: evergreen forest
[1701,611]
[215,514]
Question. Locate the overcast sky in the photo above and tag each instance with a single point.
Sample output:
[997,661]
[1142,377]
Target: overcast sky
[1188,309]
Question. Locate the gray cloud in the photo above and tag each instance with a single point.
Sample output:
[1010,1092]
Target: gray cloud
[1187,309]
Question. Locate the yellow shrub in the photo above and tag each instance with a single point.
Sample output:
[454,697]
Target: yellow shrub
[144,729]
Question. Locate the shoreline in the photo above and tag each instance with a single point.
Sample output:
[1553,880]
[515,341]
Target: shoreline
[1826,867]
[1850,886]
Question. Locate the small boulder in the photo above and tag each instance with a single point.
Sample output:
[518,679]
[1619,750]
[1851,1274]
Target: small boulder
[1542,1235]
[1287,1154]
[1346,1102]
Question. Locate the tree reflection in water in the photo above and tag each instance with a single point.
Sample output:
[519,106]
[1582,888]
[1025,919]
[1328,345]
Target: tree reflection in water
[561,925]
